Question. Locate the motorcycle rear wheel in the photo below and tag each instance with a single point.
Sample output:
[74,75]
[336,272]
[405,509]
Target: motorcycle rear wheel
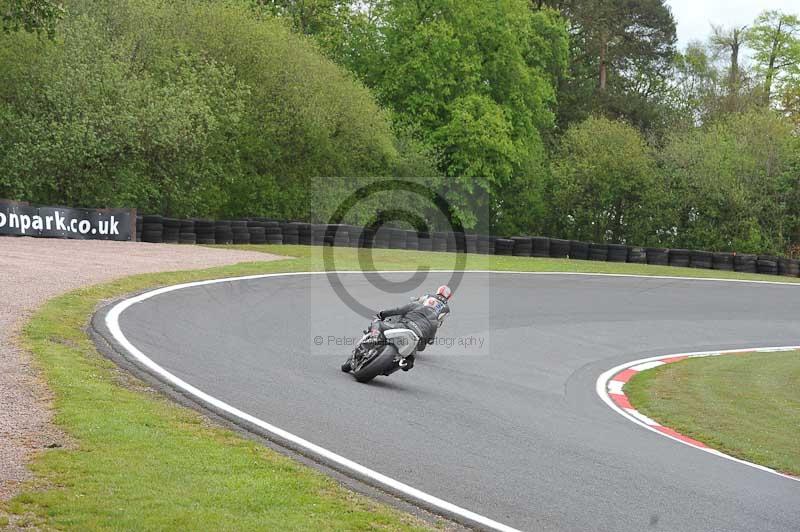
[380,364]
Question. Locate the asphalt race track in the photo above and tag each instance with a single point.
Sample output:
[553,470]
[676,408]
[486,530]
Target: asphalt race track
[512,430]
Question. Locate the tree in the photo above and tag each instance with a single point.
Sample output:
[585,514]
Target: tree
[475,79]
[603,186]
[30,15]
[620,59]
[775,41]
[732,184]
[187,108]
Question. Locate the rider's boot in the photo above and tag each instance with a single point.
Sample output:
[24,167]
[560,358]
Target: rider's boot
[407,363]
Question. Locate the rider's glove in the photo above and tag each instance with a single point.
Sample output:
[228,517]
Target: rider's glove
[380,315]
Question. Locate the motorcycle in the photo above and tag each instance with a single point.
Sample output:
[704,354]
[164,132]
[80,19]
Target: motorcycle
[384,348]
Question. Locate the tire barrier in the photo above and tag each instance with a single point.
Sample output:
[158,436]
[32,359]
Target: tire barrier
[559,249]
[617,253]
[239,231]
[272,233]
[578,250]
[152,229]
[204,231]
[657,256]
[503,246]
[318,234]
[541,246]
[471,242]
[412,240]
[679,257]
[722,261]
[425,241]
[485,245]
[523,246]
[291,233]
[637,255]
[439,241]
[158,229]
[745,263]
[767,265]
[258,234]
[172,230]
[397,239]
[789,267]
[598,252]
[187,234]
[139,223]
[223,234]
[700,259]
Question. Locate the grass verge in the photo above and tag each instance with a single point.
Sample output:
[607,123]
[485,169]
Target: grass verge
[142,462]
[745,405]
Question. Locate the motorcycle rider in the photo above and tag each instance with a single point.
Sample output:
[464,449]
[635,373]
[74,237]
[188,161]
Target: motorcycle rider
[424,316]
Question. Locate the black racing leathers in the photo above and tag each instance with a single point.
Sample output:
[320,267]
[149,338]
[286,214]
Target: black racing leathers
[423,316]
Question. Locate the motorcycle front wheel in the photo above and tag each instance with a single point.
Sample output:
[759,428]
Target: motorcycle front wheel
[378,365]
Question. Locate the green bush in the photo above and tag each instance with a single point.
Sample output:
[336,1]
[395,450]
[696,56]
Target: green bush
[185,108]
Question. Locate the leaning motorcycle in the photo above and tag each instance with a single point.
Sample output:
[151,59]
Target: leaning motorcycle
[382,350]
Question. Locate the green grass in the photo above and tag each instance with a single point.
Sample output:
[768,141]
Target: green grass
[139,461]
[745,405]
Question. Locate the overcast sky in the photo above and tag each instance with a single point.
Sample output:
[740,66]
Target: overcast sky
[694,17]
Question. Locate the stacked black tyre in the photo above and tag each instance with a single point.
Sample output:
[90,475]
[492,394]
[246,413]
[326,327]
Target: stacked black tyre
[257,231]
[397,238]
[471,242]
[789,267]
[318,234]
[355,234]
[424,241]
[152,228]
[657,256]
[338,235]
[578,250]
[412,240]
[523,246]
[204,231]
[617,253]
[367,239]
[451,242]
[139,225]
[701,259]
[172,230]
[223,234]
[273,233]
[722,261]
[637,255]
[460,241]
[187,233]
[598,252]
[304,234]
[503,246]
[439,242]
[381,237]
[540,247]
[679,257]
[559,248]
[240,232]
[290,232]
[484,245]
[745,263]
[767,265]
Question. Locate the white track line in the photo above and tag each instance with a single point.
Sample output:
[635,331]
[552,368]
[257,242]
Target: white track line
[605,385]
[112,322]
